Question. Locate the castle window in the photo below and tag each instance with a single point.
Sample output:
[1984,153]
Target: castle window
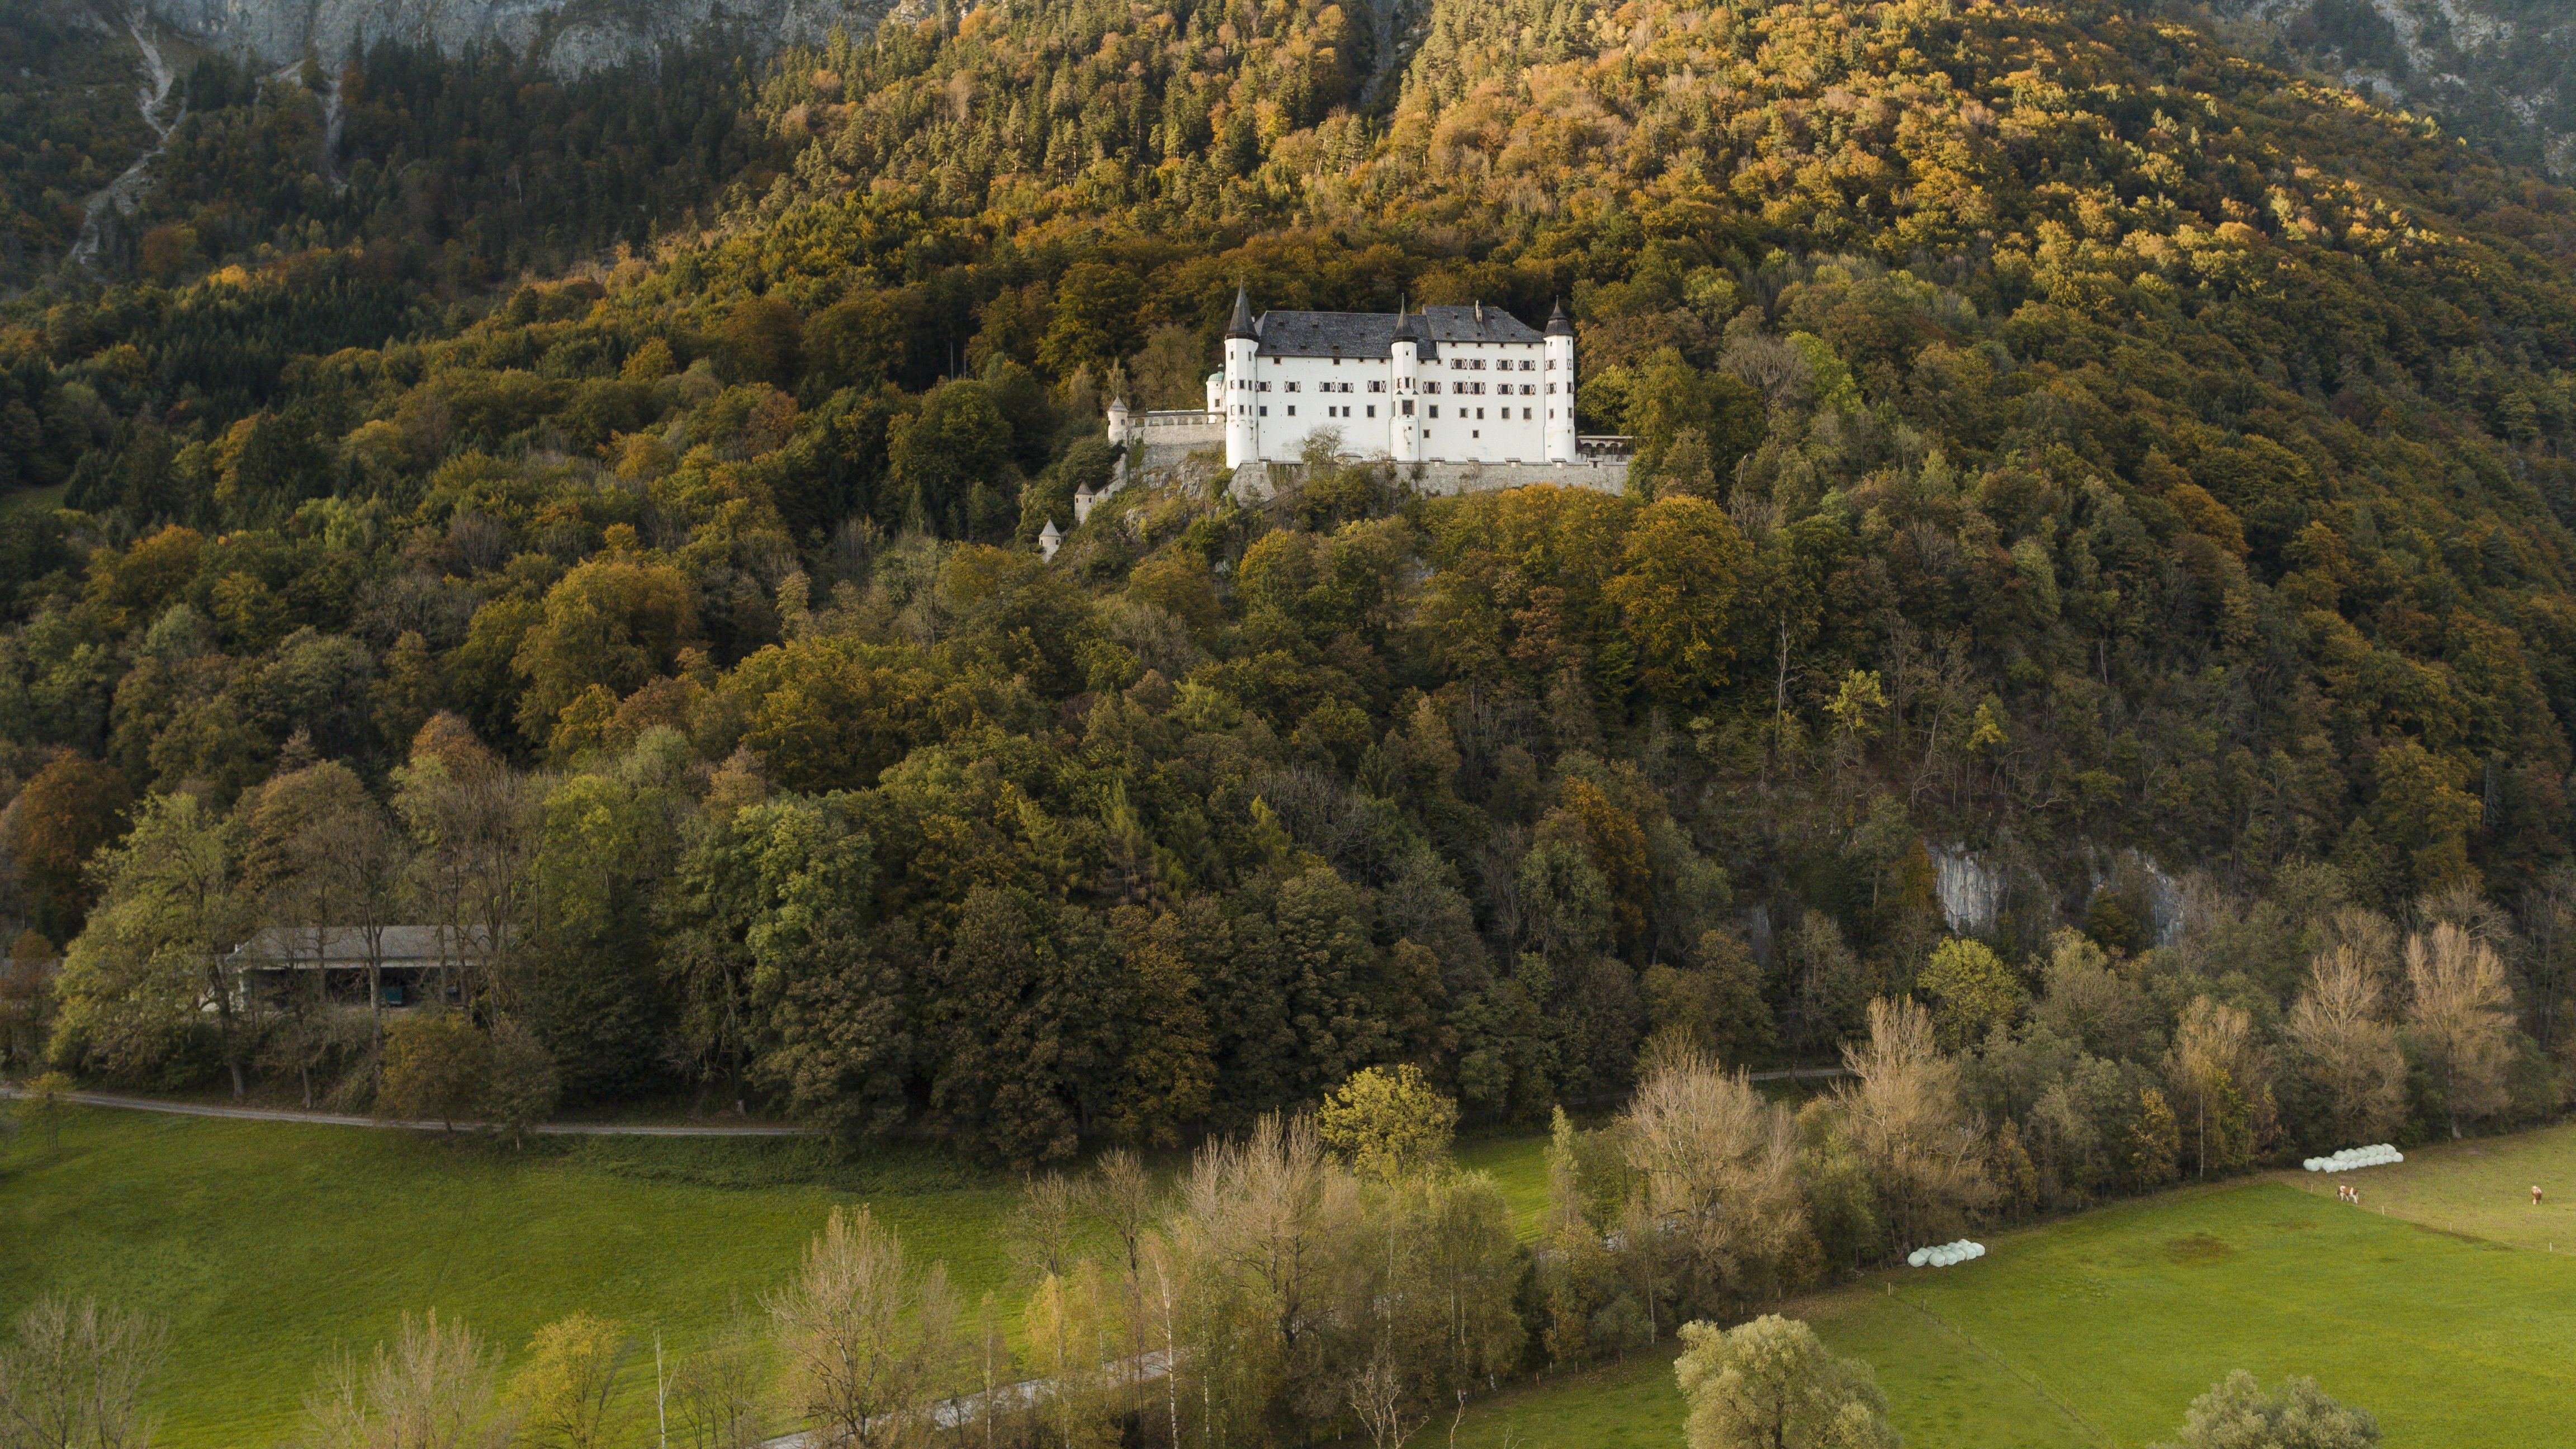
[1264,385]
[1432,386]
[1372,407]
[1527,365]
[1408,407]
[1525,417]
[1291,387]
[1265,410]
[1435,412]
[1376,385]
[1292,410]
[1480,415]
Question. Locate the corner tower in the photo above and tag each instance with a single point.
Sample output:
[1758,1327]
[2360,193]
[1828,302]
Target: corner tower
[1242,407]
[1404,430]
[1560,386]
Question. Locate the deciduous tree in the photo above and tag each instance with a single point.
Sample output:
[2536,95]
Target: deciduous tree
[2238,1413]
[868,1340]
[75,1374]
[2457,1016]
[1772,1384]
[2348,1048]
[157,958]
[1388,1122]
[566,1379]
[432,1387]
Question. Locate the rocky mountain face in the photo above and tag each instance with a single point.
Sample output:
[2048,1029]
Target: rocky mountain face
[2500,71]
[571,36]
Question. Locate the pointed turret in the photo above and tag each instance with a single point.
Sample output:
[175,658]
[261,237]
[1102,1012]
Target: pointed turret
[1406,329]
[1562,445]
[1242,356]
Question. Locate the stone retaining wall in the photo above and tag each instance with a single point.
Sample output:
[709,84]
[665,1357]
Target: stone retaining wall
[1255,482]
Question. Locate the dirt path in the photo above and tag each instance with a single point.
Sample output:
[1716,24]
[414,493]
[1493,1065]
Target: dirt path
[329,1119]
[125,193]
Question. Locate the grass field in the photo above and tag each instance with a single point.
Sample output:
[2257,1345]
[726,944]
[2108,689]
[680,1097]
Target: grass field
[2445,1315]
[270,1247]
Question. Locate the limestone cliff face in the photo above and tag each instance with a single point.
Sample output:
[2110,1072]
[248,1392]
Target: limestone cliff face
[2503,71]
[572,36]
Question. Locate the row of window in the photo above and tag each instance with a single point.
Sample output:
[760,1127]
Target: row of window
[1429,385]
[1469,364]
[1343,411]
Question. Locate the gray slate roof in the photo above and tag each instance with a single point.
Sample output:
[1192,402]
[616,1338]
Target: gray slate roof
[347,945]
[1372,334]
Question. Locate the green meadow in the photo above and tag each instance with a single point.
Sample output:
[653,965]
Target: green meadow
[2437,1304]
[270,1247]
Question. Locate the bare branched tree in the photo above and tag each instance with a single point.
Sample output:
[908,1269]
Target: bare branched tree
[1715,1167]
[1387,1406]
[868,1341]
[2347,1046]
[432,1387]
[74,1377]
[1907,1118]
[1041,1231]
[1121,1196]
[2459,1017]
[715,1393]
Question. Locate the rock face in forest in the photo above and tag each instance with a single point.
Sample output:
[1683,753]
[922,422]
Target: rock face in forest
[2501,71]
[573,36]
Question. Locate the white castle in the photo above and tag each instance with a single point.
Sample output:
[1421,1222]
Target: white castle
[1468,397]
[1443,385]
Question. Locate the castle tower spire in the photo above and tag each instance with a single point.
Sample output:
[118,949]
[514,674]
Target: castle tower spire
[1242,406]
[1562,446]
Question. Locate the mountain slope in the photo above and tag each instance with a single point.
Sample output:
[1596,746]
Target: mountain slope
[2503,71]
[567,37]
[2070,456]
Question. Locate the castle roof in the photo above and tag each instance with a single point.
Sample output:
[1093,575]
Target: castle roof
[1373,334]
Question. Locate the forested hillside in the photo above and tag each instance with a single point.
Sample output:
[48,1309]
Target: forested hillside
[2060,440]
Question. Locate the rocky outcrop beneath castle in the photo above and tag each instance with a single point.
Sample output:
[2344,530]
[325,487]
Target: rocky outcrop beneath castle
[570,37]
[1257,482]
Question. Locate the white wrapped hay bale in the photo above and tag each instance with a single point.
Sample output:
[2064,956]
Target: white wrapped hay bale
[2351,1158]
[1945,1255]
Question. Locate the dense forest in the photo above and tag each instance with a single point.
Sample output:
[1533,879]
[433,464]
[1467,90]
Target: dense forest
[2069,455]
